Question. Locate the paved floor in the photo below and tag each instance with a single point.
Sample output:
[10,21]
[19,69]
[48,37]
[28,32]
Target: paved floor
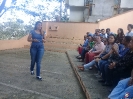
[95,89]
[59,81]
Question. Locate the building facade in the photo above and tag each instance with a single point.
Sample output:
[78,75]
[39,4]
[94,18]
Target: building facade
[96,10]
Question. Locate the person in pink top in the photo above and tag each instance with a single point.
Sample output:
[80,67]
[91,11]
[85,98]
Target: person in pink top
[98,48]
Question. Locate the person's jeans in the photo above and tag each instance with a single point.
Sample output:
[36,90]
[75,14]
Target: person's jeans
[92,63]
[83,53]
[107,73]
[122,90]
[36,57]
[101,64]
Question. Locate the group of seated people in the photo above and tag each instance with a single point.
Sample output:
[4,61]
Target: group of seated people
[112,55]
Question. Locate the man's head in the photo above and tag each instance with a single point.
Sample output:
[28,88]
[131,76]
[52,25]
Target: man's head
[129,27]
[85,37]
[108,30]
[97,31]
[103,31]
[98,38]
[87,33]
[126,40]
[90,38]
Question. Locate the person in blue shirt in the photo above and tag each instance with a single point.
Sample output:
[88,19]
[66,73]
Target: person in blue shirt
[124,89]
[86,48]
[37,39]
[85,43]
[103,34]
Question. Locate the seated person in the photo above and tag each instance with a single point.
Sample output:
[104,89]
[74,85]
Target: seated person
[119,37]
[124,89]
[106,73]
[103,34]
[88,33]
[97,33]
[123,67]
[104,55]
[96,50]
[84,45]
[130,30]
[108,31]
[85,50]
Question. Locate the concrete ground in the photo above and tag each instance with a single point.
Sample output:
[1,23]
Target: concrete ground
[59,81]
[94,88]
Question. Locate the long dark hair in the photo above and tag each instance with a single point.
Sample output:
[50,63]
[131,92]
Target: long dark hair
[35,28]
[113,36]
[121,34]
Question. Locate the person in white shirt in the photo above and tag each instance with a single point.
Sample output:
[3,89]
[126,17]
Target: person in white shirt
[130,30]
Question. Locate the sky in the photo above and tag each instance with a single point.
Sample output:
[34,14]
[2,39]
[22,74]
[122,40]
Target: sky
[21,14]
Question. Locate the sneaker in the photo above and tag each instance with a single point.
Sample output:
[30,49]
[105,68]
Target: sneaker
[39,78]
[32,72]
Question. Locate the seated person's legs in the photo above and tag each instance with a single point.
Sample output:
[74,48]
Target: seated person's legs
[101,64]
[108,75]
[87,58]
[91,56]
[86,66]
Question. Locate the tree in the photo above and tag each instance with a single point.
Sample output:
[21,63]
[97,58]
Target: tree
[3,9]
[15,27]
[40,10]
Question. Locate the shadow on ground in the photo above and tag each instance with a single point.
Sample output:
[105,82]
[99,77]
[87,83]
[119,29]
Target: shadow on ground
[59,81]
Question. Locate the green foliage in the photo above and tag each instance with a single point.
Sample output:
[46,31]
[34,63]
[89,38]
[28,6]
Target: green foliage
[14,30]
[38,10]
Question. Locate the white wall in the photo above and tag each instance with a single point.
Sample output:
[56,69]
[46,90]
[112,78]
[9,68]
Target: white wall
[126,3]
[76,14]
[76,2]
